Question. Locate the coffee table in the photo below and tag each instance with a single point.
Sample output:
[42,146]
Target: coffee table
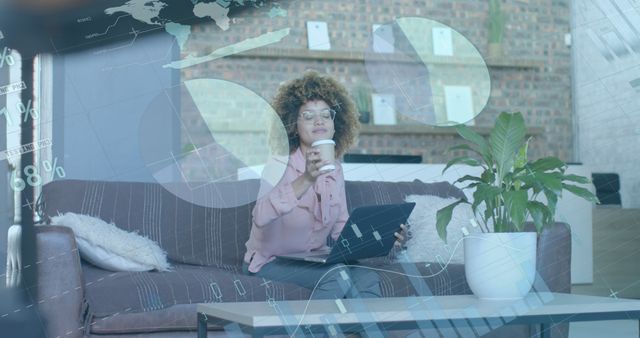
[466,314]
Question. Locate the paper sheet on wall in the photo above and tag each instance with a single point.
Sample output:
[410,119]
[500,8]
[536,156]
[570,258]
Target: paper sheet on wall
[442,43]
[459,104]
[318,35]
[384,108]
[383,40]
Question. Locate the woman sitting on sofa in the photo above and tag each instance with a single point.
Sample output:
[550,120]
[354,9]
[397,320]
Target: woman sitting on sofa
[307,204]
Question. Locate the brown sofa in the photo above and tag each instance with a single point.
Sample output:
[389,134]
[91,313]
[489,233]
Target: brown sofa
[205,246]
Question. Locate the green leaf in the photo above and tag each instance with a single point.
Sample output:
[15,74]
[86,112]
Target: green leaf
[464,147]
[477,139]
[516,204]
[525,186]
[488,212]
[506,138]
[462,160]
[466,178]
[485,193]
[521,157]
[550,181]
[548,216]
[471,185]
[539,181]
[576,178]
[547,163]
[552,201]
[581,192]
[443,217]
[488,176]
[189,147]
[540,214]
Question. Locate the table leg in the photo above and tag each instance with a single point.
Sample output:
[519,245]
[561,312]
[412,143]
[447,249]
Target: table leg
[545,330]
[202,325]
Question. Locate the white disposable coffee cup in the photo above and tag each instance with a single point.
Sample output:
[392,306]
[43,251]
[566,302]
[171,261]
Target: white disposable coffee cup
[327,149]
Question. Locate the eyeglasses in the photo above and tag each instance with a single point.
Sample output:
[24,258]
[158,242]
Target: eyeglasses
[325,115]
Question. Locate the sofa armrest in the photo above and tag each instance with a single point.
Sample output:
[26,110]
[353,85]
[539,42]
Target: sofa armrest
[553,261]
[60,292]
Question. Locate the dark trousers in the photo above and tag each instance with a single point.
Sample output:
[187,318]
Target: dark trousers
[326,281]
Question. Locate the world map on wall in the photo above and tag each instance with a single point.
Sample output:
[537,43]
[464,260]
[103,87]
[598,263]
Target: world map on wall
[151,13]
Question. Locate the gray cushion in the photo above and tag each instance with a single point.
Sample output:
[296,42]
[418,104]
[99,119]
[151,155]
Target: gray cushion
[361,193]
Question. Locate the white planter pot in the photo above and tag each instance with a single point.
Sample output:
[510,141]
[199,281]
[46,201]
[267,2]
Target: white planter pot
[500,266]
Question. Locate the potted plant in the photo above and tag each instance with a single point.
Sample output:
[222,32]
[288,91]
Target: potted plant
[500,261]
[362,99]
[496,28]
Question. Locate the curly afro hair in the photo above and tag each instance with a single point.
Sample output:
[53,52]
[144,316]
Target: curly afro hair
[313,86]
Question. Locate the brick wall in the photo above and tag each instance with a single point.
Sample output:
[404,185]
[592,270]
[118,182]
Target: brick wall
[534,31]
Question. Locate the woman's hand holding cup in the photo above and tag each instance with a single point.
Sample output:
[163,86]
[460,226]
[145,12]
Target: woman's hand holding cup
[320,159]
[327,150]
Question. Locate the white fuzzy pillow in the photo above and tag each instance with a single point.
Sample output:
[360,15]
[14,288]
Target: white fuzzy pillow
[111,248]
[425,245]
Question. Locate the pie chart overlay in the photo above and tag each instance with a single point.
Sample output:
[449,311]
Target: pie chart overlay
[223,135]
[429,73]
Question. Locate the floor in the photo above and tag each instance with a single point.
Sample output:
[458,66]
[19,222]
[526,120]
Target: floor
[616,263]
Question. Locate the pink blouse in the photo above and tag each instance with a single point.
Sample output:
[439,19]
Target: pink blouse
[284,224]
